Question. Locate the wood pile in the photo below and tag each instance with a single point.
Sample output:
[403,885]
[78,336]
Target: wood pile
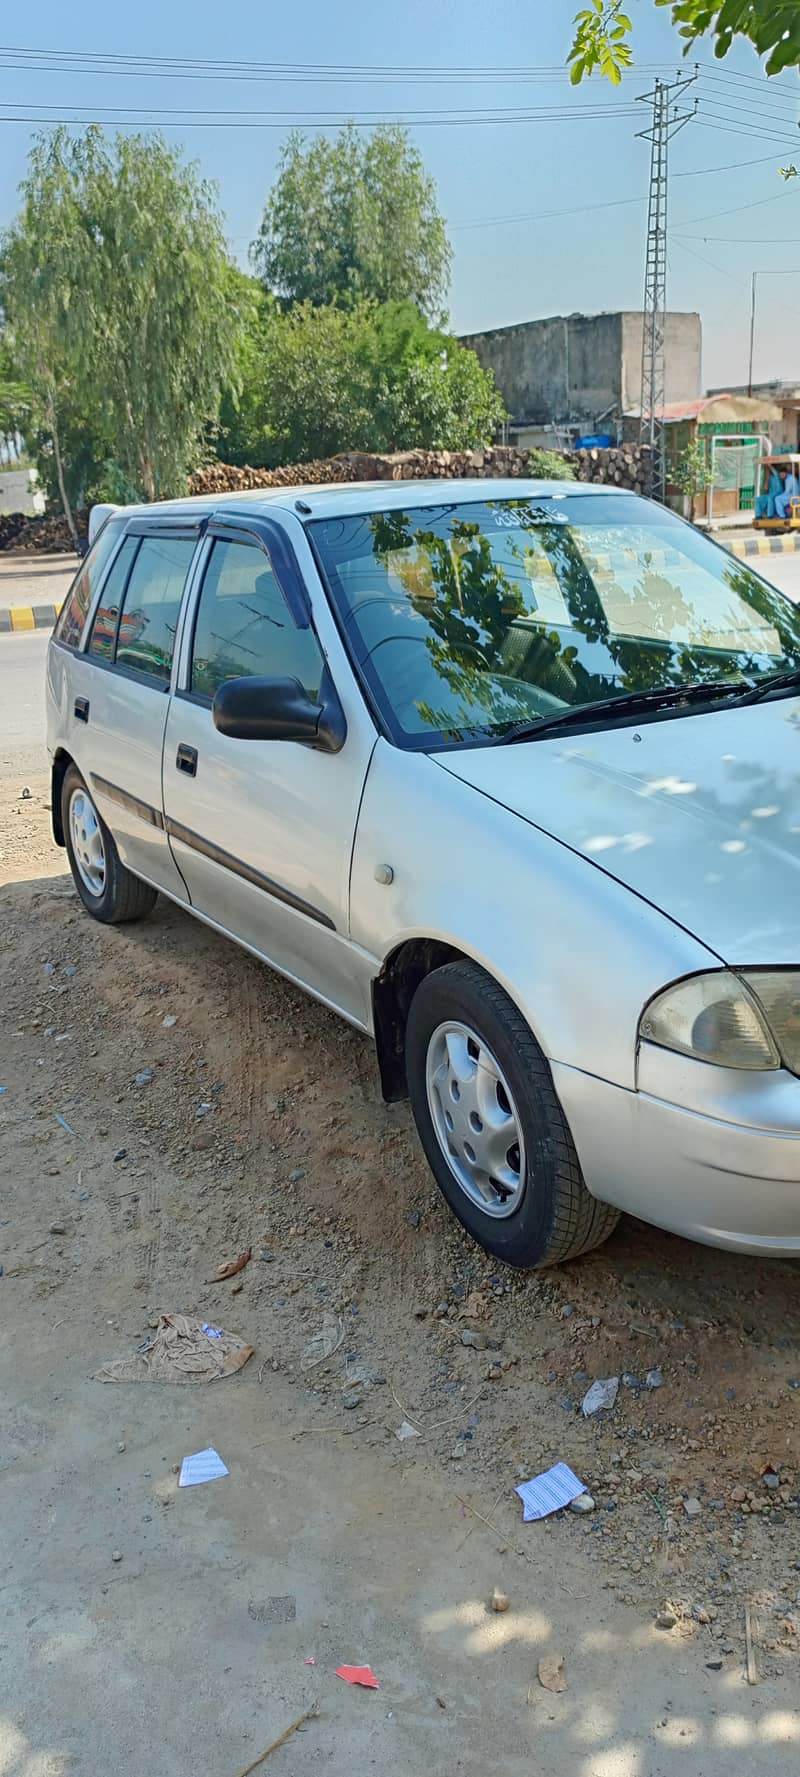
[623,465]
[48,535]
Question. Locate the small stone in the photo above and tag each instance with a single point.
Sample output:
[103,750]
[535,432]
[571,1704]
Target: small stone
[666,1619]
[204,1110]
[350,1401]
[772,1481]
[168,1022]
[582,1505]
[119,1154]
[117,1555]
[413,1218]
[440,1311]
[266,1257]
[144,1077]
[299,1172]
[692,1508]
[457,1452]
[700,1614]
[713,1665]
[494,1372]
[57,1228]
[499,1601]
[69,969]
[738,1495]
[477,1340]
[654,1379]
[122,1448]
[567,1310]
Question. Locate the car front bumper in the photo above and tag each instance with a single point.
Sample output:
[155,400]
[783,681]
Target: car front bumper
[703,1151]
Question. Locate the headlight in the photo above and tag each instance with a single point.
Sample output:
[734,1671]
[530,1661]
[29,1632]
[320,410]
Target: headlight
[778,993]
[715,1018]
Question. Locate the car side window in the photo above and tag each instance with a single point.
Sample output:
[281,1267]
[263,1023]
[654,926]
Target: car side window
[244,627]
[69,626]
[151,605]
[103,633]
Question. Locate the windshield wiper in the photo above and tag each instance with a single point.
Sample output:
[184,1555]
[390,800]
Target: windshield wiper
[633,703]
[776,682]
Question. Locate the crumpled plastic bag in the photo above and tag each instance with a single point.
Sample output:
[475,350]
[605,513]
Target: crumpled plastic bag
[181,1349]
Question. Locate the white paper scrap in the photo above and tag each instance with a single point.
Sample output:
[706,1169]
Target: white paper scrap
[206,1465]
[548,1492]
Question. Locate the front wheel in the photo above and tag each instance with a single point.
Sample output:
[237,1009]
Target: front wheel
[109,891]
[490,1122]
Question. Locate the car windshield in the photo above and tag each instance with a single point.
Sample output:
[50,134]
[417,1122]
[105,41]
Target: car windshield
[468,619]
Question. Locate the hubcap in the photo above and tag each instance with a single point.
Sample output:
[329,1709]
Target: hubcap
[87,842]
[476,1121]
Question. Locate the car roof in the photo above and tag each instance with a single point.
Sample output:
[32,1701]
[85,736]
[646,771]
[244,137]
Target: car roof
[344,498]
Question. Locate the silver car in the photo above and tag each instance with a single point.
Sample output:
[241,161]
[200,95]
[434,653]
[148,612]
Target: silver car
[506,773]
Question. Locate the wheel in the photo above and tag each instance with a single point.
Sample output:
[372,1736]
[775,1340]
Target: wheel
[108,891]
[493,1131]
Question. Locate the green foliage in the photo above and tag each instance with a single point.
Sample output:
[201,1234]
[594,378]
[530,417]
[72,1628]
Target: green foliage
[600,43]
[692,472]
[550,465]
[374,377]
[772,26]
[354,219]
[118,306]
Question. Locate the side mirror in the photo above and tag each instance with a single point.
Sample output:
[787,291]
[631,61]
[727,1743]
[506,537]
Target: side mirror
[279,709]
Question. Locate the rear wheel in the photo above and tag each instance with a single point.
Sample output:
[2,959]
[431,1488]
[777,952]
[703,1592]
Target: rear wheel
[490,1122]
[107,889]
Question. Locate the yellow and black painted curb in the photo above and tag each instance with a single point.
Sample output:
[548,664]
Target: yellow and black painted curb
[784,545]
[27,617]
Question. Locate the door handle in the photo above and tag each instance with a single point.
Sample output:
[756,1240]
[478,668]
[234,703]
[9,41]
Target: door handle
[186,760]
[81,707]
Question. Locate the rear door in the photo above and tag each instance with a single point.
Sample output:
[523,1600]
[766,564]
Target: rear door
[263,830]
[127,669]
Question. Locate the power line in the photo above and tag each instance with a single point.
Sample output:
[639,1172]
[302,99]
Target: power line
[320,121]
[608,204]
[91,61]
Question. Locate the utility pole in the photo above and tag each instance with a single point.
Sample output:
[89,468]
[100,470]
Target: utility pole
[667,120]
[752,331]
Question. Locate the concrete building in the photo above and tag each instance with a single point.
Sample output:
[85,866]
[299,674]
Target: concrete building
[572,375]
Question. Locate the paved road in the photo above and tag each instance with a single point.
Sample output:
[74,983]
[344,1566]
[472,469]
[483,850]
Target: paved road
[22,661]
[35,579]
[22,719]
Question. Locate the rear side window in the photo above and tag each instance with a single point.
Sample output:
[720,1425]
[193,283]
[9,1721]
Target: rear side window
[244,627]
[151,604]
[103,633]
[69,627]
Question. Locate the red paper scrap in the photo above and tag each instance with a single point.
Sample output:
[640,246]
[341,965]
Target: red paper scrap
[358,1675]
[310,1661]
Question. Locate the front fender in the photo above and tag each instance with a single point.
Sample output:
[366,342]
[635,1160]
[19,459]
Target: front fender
[577,951]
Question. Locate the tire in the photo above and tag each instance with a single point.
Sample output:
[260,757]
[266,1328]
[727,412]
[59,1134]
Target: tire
[107,889]
[539,1210]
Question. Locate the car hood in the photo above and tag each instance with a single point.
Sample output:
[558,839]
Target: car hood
[700,815]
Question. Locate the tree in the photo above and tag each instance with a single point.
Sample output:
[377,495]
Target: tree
[373,377]
[354,219]
[772,26]
[118,303]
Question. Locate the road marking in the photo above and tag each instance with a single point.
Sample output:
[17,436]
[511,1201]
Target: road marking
[24,618]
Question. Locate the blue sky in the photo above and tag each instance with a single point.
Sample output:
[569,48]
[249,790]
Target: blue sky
[724,224]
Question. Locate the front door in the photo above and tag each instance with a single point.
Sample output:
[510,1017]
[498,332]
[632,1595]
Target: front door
[262,831]
[127,669]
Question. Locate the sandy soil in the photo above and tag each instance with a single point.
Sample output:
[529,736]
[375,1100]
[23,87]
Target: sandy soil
[262,1127]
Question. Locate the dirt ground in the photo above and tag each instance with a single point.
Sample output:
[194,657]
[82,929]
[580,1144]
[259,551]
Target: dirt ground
[260,1126]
